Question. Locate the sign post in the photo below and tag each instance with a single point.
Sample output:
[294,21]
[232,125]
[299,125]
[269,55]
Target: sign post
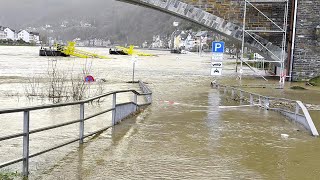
[134,60]
[217,58]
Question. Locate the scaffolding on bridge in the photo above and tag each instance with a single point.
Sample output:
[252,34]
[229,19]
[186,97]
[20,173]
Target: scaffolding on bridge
[277,30]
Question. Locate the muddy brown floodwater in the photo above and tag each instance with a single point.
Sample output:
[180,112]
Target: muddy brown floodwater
[182,135]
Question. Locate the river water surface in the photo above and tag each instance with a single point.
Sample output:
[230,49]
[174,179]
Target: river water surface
[182,135]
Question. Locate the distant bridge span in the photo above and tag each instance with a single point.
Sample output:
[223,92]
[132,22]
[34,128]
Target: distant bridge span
[211,22]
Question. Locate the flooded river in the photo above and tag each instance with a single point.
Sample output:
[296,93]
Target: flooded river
[182,135]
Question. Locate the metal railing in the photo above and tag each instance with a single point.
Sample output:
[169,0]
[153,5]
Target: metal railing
[292,109]
[119,112]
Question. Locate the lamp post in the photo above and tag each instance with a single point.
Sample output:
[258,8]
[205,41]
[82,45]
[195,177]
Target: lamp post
[175,24]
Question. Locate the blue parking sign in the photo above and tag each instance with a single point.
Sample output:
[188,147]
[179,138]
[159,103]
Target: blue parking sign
[218,47]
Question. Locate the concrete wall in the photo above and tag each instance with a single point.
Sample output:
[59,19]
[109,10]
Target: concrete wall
[306,62]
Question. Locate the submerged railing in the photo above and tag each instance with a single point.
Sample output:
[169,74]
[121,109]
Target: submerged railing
[294,110]
[119,112]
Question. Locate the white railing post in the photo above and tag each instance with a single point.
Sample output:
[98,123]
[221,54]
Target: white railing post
[26,123]
[135,100]
[240,97]
[81,128]
[114,101]
[150,98]
[232,93]
[260,104]
[251,100]
[297,110]
[266,103]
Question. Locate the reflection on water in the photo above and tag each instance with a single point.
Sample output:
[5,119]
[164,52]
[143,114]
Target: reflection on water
[182,135]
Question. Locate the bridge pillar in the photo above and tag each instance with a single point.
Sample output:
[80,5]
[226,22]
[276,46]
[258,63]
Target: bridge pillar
[306,55]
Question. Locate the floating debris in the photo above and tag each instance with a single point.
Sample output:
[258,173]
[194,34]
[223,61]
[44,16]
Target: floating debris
[297,88]
[284,136]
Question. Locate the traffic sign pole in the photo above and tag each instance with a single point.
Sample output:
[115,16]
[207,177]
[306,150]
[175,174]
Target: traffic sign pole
[217,58]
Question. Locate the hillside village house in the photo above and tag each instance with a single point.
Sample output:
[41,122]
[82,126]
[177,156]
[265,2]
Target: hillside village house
[190,42]
[158,42]
[184,40]
[202,36]
[24,35]
[2,33]
[10,34]
[34,37]
[7,33]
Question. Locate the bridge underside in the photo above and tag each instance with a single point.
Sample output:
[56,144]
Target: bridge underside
[212,22]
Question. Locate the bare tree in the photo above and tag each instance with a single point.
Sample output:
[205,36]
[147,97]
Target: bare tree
[57,82]
[61,85]
[33,87]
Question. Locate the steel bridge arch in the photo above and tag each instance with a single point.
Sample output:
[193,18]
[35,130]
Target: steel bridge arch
[211,22]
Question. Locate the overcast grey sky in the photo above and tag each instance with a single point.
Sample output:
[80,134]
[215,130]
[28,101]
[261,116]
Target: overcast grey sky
[19,13]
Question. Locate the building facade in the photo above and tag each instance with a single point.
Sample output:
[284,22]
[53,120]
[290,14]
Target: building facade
[7,33]
[34,37]
[24,35]
[2,33]
[10,34]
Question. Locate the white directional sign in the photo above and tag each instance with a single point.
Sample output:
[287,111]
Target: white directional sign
[216,64]
[134,58]
[217,56]
[216,71]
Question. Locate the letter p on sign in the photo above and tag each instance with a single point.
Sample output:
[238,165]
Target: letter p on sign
[218,47]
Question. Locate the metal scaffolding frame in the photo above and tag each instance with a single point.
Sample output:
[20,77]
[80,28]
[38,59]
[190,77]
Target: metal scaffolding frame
[282,30]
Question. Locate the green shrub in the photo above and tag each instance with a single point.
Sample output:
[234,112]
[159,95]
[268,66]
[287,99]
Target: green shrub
[7,175]
[315,81]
